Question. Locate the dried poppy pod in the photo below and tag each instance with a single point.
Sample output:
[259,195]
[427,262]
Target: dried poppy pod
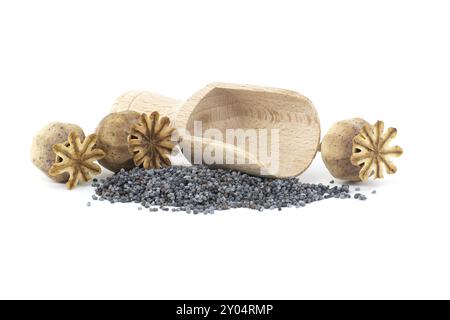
[42,154]
[112,137]
[288,120]
[151,141]
[354,150]
[77,157]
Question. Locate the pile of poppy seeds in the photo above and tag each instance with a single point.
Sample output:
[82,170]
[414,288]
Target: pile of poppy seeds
[201,189]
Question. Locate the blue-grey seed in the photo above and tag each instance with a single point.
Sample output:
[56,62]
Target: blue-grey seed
[200,189]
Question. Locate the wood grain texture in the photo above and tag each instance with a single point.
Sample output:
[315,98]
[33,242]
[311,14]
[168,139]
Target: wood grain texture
[225,106]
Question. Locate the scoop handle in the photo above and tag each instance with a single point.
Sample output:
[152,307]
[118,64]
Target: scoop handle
[147,102]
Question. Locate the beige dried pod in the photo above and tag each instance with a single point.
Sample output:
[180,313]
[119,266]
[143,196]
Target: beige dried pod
[112,137]
[150,141]
[372,151]
[77,157]
[42,154]
[354,150]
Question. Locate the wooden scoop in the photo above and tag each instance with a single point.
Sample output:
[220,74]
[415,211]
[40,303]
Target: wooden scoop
[223,106]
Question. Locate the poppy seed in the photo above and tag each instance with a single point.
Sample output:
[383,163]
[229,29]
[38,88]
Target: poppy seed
[202,189]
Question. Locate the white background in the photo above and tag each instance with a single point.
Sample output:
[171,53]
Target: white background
[68,60]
